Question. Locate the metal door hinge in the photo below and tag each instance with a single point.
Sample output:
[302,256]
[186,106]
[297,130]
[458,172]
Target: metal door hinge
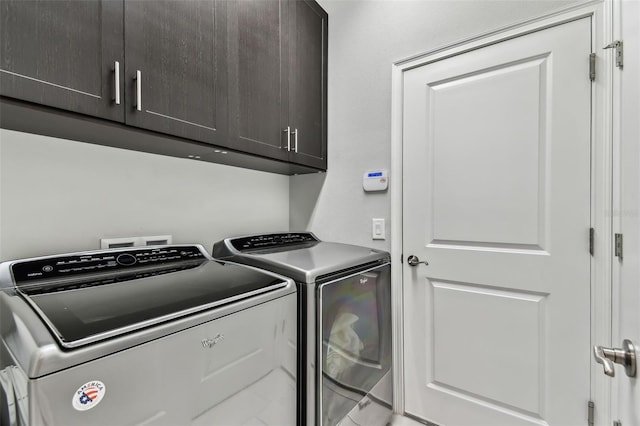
[618,246]
[619,52]
[592,67]
[590,412]
[592,234]
[402,258]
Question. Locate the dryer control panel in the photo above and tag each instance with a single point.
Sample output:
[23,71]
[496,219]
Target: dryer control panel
[267,241]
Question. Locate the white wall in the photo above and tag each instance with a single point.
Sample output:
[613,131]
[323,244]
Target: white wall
[365,39]
[58,195]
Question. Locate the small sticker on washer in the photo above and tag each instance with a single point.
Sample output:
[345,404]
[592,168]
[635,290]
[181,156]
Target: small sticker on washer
[88,395]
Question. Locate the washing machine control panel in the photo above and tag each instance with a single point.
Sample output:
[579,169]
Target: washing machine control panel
[103,261]
[267,241]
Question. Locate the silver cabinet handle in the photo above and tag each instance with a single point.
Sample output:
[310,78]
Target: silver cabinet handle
[288,132]
[138,79]
[415,261]
[625,356]
[116,72]
[295,140]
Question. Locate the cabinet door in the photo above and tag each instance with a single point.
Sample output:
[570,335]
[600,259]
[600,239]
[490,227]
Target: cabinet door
[175,77]
[258,93]
[62,54]
[308,83]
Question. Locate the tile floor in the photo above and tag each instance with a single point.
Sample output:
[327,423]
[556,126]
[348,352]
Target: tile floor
[269,401]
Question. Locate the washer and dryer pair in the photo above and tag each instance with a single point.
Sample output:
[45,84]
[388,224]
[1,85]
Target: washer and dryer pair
[280,329]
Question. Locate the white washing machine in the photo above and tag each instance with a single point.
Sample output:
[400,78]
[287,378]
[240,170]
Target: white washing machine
[145,336]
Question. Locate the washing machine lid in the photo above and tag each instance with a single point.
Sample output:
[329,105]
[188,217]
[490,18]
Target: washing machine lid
[87,297]
[298,255]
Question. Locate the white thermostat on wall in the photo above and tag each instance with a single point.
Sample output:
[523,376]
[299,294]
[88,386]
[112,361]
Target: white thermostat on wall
[375,180]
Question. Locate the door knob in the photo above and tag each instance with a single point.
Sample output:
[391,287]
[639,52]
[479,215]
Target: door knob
[415,261]
[625,356]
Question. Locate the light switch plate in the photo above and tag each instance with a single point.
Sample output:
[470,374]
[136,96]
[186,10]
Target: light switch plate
[378,229]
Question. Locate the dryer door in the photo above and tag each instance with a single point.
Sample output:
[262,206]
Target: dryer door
[355,342]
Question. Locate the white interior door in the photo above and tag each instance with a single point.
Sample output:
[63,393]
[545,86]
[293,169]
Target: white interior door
[496,197]
[626,395]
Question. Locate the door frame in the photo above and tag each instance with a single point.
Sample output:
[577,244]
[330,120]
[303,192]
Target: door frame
[603,117]
[618,212]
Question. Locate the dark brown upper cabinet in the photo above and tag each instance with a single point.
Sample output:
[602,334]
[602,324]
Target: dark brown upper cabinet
[164,70]
[308,84]
[247,75]
[175,69]
[258,89]
[63,54]
[277,79]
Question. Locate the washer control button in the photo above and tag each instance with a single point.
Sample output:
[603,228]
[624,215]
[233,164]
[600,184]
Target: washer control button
[126,259]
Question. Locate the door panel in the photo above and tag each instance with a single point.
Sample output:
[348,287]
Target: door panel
[481,373]
[62,54]
[507,211]
[307,83]
[258,95]
[182,93]
[497,200]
